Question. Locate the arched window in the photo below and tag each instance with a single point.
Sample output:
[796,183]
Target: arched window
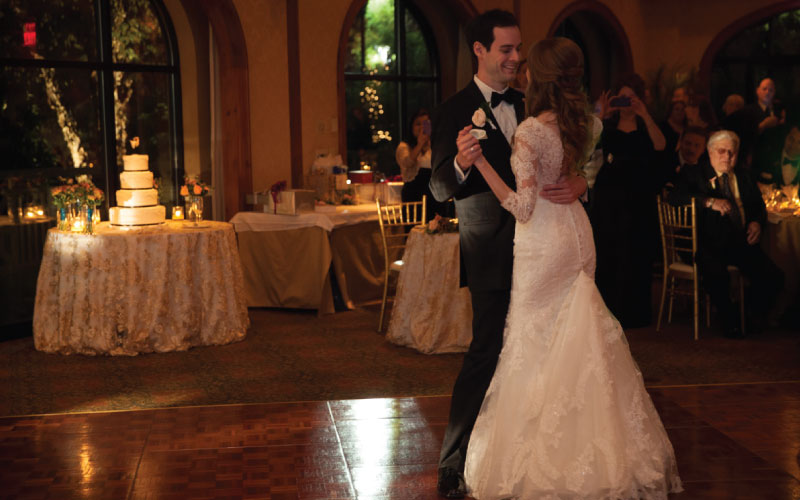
[78,79]
[767,48]
[390,71]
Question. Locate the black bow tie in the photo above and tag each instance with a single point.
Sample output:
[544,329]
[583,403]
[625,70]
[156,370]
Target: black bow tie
[508,96]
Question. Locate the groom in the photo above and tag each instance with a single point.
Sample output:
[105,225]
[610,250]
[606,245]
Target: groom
[486,230]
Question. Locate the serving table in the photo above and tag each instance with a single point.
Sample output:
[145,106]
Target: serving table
[287,259]
[431,313]
[122,291]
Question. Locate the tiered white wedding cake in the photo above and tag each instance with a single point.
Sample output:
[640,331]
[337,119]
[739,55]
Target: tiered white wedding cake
[137,201]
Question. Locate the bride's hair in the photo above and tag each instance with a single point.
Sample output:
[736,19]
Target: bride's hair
[556,68]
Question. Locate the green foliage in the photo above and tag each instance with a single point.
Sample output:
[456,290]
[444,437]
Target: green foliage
[379,34]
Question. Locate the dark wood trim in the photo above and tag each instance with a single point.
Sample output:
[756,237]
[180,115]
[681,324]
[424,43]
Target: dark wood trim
[706,63]
[235,100]
[295,111]
[349,18]
[607,15]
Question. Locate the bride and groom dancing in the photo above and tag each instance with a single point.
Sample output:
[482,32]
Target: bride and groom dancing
[548,403]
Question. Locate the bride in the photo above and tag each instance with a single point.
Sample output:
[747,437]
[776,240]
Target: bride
[566,415]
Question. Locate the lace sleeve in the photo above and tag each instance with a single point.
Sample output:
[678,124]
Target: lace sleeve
[525,164]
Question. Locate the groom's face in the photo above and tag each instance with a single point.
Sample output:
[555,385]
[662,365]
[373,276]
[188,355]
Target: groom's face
[499,63]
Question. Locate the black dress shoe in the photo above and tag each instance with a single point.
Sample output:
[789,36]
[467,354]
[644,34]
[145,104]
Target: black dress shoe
[451,483]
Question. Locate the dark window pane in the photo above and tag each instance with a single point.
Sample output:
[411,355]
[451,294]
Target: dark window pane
[44,29]
[784,34]
[419,95]
[418,56]
[136,35]
[380,51]
[49,118]
[372,124]
[142,110]
[748,43]
[354,55]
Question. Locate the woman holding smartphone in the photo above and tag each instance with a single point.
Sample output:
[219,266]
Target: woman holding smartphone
[414,158]
[623,213]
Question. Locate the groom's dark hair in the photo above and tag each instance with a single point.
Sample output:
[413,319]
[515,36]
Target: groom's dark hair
[481,28]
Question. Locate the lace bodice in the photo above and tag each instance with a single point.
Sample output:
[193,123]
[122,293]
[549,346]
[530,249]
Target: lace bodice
[536,160]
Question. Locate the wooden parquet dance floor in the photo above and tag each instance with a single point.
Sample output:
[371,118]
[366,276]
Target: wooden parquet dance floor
[732,442]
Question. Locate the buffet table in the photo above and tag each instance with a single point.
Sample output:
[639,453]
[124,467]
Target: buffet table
[122,291]
[431,313]
[287,258]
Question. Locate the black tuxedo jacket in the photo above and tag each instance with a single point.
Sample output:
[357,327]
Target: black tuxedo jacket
[717,232]
[486,230]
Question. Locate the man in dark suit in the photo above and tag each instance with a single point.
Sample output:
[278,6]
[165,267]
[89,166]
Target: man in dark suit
[731,215]
[486,230]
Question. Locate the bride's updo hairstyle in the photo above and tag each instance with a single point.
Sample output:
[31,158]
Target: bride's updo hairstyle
[556,67]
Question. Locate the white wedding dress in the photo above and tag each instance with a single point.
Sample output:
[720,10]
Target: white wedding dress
[566,415]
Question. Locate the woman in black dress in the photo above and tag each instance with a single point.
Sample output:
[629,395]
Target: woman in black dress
[623,215]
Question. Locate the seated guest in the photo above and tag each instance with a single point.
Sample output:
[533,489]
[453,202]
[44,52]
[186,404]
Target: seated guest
[730,217]
[699,112]
[732,104]
[414,158]
[782,167]
[691,146]
[673,126]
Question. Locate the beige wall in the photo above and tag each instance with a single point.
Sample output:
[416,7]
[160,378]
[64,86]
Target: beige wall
[264,26]
[659,32]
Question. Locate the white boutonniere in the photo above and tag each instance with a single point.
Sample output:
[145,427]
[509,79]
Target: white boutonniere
[479,121]
[610,158]
[713,182]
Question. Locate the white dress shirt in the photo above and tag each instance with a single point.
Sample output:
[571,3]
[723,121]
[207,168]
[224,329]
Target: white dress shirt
[506,117]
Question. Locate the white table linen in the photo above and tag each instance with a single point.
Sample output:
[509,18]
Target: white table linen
[344,215]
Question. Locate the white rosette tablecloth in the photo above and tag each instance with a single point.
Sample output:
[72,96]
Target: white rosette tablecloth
[431,313]
[151,289]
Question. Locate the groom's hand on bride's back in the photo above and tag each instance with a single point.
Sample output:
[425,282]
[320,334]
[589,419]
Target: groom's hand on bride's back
[567,189]
[469,149]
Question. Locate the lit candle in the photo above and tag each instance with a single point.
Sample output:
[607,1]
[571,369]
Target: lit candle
[77,226]
[177,213]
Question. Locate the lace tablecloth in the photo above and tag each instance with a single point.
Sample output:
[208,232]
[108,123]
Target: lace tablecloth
[431,313]
[126,291]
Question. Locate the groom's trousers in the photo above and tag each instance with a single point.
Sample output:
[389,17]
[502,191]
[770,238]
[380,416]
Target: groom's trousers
[489,310]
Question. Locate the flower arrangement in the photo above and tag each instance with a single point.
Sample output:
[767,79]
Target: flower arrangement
[275,191]
[193,187]
[441,225]
[76,193]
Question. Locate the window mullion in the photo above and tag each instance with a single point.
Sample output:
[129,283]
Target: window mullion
[106,81]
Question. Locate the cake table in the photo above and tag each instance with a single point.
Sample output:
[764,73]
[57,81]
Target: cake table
[123,291]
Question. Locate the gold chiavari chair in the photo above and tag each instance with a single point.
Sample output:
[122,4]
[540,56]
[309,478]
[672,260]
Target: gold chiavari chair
[395,223]
[679,243]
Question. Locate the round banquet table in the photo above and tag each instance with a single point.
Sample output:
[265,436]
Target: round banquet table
[122,291]
[431,313]
[781,242]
